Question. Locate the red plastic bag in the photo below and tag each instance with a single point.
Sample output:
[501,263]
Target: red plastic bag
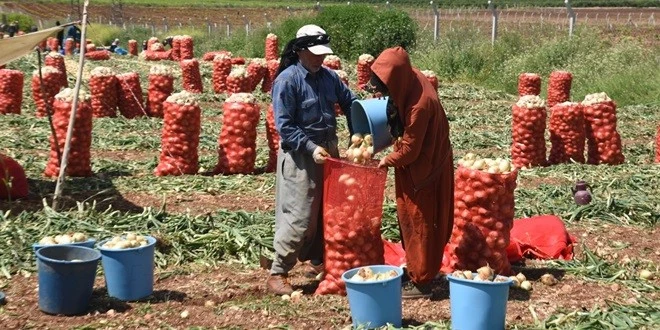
[540,237]
[352,211]
[13,182]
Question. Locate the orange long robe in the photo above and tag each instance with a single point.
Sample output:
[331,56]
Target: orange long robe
[423,165]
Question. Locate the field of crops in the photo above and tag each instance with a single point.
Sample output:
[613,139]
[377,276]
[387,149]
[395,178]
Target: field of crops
[212,229]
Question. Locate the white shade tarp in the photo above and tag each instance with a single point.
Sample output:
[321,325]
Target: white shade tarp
[15,47]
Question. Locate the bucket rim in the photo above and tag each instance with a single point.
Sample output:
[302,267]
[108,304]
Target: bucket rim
[40,255]
[452,278]
[150,242]
[348,280]
[92,241]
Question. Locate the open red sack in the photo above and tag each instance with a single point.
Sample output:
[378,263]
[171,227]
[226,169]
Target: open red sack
[539,237]
[352,211]
[13,182]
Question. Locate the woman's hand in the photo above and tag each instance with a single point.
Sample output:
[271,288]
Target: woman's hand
[382,163]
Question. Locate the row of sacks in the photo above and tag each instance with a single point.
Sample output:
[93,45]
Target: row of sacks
[237,142]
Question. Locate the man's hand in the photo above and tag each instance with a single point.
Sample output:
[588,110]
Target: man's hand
[320,154]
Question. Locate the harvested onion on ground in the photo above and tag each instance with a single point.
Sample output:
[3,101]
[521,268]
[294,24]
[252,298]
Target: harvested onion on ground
[63,239]
[127,241]
[361,149]
[366,274]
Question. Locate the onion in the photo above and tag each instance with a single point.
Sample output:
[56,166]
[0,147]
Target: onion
[646,274]
[521,277]
[526,285]
[548,279]
[485,273]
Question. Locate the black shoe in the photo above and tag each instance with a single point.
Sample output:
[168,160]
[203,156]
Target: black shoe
[410,290]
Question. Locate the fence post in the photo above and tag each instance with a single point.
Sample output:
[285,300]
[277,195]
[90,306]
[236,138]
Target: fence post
[208,26]
[436,22]
[268,22]
[318,7]
[571,18]
[247,25]
[167,27]
[388,5]
[493,33]
[228,26]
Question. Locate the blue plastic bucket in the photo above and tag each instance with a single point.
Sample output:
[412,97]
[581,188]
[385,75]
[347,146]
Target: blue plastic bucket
[129,273]
[477,305]
[88,243]
[370,117]
[66,278]
[376,303]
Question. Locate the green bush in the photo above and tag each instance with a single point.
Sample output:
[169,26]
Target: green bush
[24,22]
[361,29]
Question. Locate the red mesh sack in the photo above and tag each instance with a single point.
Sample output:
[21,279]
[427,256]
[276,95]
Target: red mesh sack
[52,84]
[180,137]
[566,133]
[187,51]
[192,80]
[133,47]
[129,91]
[603,139]
[160,55]
[53,44]
[98,55]
[256,71]
[104,90]
[79,162]
[56,60]
[176,48]
[559,87]
[364,69]
[352,211]
[332,62]
[210,56]
[432,78]
[273,138]
[343,76]
[161,86]
[221,70]
[237,143]
[272,47]
[238,81]
[13,182]
[238,61]
[657,145]
[272,66]
[11,91]
[483,217]
[69,46]
[528,139]
[529,84]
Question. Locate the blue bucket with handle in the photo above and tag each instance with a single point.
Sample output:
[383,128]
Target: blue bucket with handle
[66,278]
[129,273]
[374,304]
[478,305]
[370,117]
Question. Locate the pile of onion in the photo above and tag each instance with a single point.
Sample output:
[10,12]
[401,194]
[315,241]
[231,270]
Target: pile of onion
[128,241]
[361,149]
[67,238]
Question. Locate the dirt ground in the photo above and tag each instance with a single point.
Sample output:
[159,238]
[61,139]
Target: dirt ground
[234,296]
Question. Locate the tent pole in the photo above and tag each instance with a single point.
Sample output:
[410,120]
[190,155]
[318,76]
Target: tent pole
[74,108]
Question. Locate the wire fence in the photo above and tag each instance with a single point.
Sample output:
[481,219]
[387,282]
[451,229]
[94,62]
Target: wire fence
[431,18]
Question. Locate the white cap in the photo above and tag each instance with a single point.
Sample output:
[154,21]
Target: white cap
[314,30]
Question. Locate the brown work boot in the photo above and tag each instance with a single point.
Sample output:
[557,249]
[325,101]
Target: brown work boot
[279,284]
[312,271]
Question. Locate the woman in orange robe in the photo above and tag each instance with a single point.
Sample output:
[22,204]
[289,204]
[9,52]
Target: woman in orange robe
[423,167]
